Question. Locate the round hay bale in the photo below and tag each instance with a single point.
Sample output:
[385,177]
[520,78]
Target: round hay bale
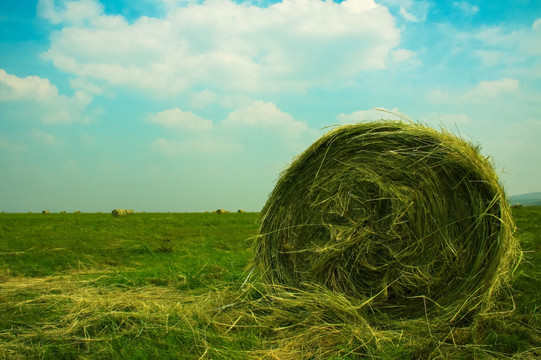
[130,212]
[221,211]
[118,212]
[411,219]
[45,212]
[240,211]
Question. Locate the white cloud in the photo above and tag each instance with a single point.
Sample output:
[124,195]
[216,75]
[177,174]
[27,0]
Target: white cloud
[407,15]
[31,87]
[265,115]
[87,86]
[286,47]
[71,12]
[47,104]
[370,115]
[181,120]
[492,89]
[516,42]
[205,98]
[406,56]
[466,8]
[411,10]
[484,91]
[260,122]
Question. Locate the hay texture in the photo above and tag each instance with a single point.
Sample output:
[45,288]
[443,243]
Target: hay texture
[408,219]
[122,212]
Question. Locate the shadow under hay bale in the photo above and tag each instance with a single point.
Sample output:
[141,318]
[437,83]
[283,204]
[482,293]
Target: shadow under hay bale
[412,220]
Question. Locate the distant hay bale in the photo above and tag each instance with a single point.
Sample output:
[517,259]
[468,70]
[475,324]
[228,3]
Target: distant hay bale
[77,212]
[241,211]
[221,211]
[45,212]
[122,212]
[411,219]
[119,212]
[517,206]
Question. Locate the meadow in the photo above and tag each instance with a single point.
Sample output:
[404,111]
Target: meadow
[173,286]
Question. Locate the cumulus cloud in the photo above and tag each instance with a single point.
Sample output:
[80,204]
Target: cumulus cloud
[492,89]
[266,116]
[46,103]
[289,46]
[31,87]
[518,43]
[181,120]
[71,12]
[483,91]
[258,120]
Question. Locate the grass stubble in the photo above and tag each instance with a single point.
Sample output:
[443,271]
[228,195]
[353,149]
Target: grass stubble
[120,308]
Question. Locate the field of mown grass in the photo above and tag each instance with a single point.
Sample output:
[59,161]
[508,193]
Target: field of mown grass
[172,286]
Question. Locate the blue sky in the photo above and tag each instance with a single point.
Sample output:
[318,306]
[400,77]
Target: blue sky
[167,105]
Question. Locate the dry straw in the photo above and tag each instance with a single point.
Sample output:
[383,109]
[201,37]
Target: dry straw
[408,221]
[118,212]
[122,212]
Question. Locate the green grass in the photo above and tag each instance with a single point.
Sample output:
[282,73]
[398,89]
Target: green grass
[169,286]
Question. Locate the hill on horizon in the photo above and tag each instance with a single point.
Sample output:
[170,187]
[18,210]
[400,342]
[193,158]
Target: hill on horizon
[529,199]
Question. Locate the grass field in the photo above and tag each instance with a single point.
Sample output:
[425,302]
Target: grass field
[172,286]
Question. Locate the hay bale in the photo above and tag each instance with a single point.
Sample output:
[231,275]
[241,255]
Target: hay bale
[240,211]
[77,212]
[411,219]
[221,211]
[45,212]
[118,212]
[122,212]
[517,206]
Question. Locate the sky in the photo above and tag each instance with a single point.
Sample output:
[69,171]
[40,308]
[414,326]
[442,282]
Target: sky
[181,106]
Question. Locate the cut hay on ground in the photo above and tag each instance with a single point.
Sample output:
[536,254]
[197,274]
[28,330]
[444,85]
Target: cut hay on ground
[410,221]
